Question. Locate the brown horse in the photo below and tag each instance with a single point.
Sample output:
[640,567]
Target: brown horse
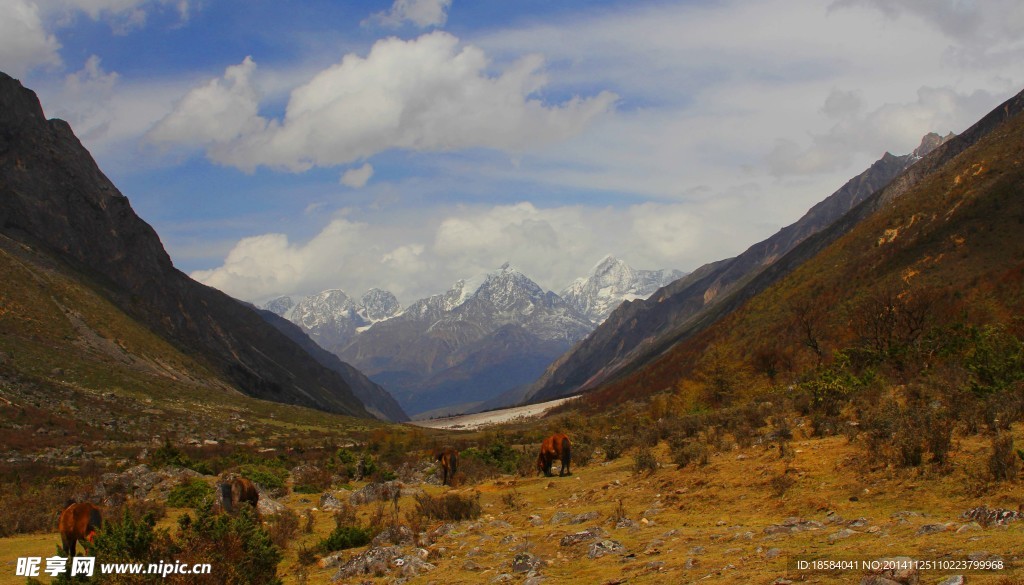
[78,522]
[449,459]
[236,491]
[554,447]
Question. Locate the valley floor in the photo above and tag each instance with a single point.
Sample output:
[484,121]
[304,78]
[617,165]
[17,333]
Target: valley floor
[469,422]
[731,521]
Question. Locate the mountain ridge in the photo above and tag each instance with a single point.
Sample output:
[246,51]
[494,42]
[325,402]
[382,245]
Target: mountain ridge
[642,328]
[56,198]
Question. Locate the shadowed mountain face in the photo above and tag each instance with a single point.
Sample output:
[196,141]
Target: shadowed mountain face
[54,198]
[642,328]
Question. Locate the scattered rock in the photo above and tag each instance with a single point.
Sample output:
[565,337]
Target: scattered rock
[625,523]
[329,503]
[604,547]
[268,506]
[933,529]
[792,525]
[988,516]
[953,580]
[969,527]
[578,537]
[375,561]
[841,535]
[331,560]
[526,562]
[586,517]
[389,490]
[536,520]
[395,534]
[772,553]
[561,516]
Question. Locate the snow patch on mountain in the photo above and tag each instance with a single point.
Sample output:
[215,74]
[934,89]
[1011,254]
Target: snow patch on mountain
[610,283]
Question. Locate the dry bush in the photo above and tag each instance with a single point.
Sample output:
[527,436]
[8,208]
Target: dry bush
[687,451]
[1003,463]
[449,507]
[345,516]
[614,446]
[307,521]
[644,461]
[283,527]
[311,479]
[781,483]
[513,500]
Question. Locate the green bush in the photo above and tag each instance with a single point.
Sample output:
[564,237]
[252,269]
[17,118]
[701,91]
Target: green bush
[189,494]
[168,454]
[271,479]
[345,537]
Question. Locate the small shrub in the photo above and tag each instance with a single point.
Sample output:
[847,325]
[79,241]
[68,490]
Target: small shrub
[271,479]
[614,446]
[306,555]
[189,494]
[1003,463]
[780,484]
[512,500]
[310,479]
[283,527]
[307,522]
[346,515]
[687,451]
[448,507]
[582,454]
[345,537]
[644,461]
[168,454]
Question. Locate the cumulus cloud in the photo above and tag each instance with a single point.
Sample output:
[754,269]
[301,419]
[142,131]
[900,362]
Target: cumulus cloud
[422,13]
[25,43]
[426,94]
[422,255]
[218,112]
[357,178]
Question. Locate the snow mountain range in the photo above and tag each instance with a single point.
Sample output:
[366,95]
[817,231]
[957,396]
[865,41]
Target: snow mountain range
[482,337]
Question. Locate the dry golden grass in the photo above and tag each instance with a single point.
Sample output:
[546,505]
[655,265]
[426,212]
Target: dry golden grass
[699,524]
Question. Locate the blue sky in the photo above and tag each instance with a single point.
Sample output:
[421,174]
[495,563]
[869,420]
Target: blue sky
[288,147]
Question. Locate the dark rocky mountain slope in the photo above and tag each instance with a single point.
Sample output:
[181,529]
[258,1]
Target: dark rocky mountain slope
[54,198]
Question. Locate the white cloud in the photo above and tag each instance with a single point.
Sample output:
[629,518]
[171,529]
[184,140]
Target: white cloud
[420,254]
[422,13]
[357,178]
[25,43]
[218,112]
[893,127]
[426,94]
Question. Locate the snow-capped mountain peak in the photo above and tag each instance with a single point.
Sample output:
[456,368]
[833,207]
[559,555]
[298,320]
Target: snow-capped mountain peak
[611,282]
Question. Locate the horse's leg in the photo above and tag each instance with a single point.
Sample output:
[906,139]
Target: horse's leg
[73,541]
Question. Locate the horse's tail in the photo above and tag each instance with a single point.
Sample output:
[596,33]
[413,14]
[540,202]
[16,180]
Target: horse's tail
[566,451]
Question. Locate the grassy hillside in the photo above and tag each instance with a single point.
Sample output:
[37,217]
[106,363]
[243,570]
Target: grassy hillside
[912,290]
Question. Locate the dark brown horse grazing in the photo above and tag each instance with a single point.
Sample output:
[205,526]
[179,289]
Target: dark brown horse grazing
[554,447]
[449,459]
[236,491]
[77,522]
